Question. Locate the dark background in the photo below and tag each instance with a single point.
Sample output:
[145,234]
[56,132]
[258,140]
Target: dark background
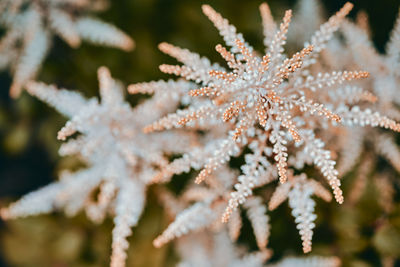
[28,145]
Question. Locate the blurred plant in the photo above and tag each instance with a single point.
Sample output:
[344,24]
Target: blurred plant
[121,159]
[371,156]
[31,24]
[385,76]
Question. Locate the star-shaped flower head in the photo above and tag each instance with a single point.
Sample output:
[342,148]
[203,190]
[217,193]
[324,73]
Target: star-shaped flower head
[30,26]
[272,92]
[121,159]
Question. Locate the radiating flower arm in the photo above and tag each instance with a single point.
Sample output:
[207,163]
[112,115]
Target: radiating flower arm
[356,116]
[62,23]
[302,209]
[127,216]
[259,220]
[269,26]
[322,159]
[66,102]
[32,57]
[393,46]
[102,33]
[55,196]
[326,30]
[193,218]
[227,31]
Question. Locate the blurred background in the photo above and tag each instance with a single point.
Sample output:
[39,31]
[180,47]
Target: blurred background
[29,159]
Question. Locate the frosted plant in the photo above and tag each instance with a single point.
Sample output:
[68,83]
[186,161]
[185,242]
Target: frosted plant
[266,104]
[121,160]
[30,26]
